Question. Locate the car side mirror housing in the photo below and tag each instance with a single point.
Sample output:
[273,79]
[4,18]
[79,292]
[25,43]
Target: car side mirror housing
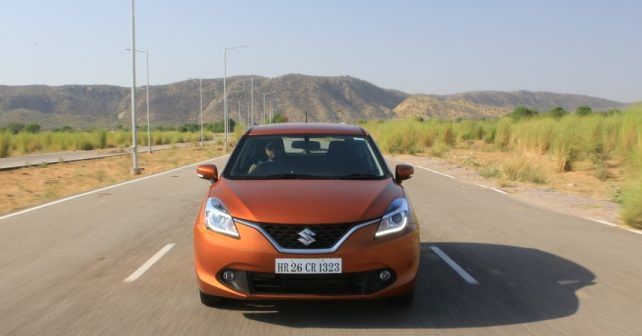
[207,172]
[403,172]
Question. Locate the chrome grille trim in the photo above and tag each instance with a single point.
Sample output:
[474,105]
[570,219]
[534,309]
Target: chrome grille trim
[306,251]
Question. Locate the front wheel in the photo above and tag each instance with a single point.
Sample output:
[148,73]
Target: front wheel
[211,300]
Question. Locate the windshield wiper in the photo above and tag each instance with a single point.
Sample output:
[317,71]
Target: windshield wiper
[358,176]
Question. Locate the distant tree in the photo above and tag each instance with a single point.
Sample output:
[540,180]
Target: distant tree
[557,112]
[15,127]
[64,128]
[32,128]
[583,110]
[523,112]
[279,118]
[190,128]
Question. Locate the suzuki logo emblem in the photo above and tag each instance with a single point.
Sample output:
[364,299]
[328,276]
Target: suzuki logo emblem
[307,237]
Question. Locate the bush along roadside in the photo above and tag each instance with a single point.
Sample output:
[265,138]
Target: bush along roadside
[566,139]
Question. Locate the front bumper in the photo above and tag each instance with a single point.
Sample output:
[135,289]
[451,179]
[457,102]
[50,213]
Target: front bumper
[253,256]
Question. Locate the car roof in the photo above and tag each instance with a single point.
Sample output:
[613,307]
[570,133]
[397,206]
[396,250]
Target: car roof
[306,128]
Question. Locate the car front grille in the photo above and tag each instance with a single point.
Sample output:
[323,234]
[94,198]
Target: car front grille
[319,284]
[288,235]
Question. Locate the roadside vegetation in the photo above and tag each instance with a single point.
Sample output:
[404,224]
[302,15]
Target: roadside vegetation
[34,185]
[539,144]
[20,139]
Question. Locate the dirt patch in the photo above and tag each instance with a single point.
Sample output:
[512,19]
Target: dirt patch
[35,185]
[580,192]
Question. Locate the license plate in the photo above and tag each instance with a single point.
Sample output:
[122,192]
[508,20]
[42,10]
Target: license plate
[307,266]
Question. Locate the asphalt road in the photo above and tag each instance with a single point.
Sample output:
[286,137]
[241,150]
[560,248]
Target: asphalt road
[531,271]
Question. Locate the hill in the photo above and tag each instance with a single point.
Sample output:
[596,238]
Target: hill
[324,99]
[481,104]
[331,99]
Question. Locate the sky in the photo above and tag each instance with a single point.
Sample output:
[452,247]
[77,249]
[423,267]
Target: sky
[585,47]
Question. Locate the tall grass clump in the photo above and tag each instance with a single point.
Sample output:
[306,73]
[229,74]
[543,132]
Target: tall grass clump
[26,142]
[632,192]
[5,139]
[502,133]
[632,202]
[525,169]
[397,136]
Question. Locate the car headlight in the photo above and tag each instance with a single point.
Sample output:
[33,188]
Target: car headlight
[218,219]
[395,218]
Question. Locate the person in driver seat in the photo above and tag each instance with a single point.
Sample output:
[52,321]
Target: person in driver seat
[274,151]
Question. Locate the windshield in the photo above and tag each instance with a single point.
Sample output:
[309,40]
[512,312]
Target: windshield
[306,157]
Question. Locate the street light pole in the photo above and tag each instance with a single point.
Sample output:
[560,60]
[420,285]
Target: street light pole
[200,85]
[225,118]
[240,111]
[149,134]
[135,168]
[252,102]
[271,112]
[264,115]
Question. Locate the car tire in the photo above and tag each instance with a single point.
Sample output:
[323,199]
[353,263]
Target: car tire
[404,300]
[211,300]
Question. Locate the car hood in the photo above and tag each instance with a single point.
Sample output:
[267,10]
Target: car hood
[306,201]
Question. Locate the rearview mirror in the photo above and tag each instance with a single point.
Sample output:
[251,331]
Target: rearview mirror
[403,172]
[207,172]
[306,145]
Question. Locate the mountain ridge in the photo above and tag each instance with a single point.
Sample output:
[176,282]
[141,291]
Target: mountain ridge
[322,98]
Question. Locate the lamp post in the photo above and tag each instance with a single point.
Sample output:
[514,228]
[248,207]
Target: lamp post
[225,118]
[135,169]
[200,87]
[264,115]
[149,134]
[252,102]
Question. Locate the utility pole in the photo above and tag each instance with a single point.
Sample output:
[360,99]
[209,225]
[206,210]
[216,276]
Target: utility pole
[135,168]
[225,117]
[264,115]
[252,101]
[271,113]
[200,85]
[149,133]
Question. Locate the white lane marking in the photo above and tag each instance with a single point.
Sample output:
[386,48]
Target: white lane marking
[491,188]
[615,225]
[144,267]
[436,172]
[602,222]
[462,273]
[105,188]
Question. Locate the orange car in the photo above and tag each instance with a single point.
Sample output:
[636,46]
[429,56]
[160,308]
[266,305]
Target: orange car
[306,211]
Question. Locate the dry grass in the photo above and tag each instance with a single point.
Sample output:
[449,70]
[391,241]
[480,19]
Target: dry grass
[599,151]
[530,167]
[30,186]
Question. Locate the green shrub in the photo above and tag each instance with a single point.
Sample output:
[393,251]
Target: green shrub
[5,144]
[583,111]
[557,112]
[490,172]
[632,203]
[525,170]
[522,112]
